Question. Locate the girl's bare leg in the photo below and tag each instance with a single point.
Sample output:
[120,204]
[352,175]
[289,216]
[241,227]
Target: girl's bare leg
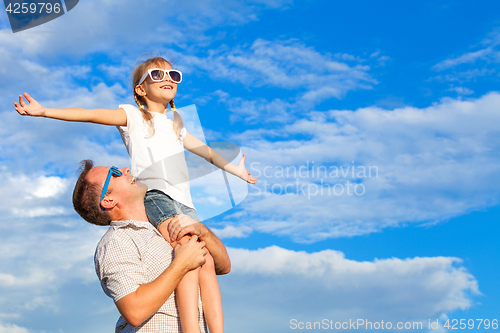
[187,298]
[210,296]
[187,293]
[187,289]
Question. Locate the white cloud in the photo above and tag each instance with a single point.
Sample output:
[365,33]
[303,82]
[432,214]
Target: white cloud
[9,315]
[46,187]
[40,257]
[467,58]
[11,281]
[289,65]
[474,64]
[230,231]
[10,328]
[32,195]
[259,110]
[39,211]
[281,285]
[461,90]
[55,80]
[426,165]
[87,28]
[56,67]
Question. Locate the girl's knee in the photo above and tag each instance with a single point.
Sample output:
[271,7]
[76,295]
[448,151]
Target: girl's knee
[163,229]
[184,239]
[209,264]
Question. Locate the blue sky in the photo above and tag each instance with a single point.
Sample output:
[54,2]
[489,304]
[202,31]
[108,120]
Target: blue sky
[311,90]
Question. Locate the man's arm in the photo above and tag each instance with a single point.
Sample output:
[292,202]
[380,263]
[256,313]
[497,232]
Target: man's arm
[138,306]
[177,229]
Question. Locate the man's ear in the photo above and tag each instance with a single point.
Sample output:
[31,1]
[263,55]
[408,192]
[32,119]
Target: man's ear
[140,90]
[108,202]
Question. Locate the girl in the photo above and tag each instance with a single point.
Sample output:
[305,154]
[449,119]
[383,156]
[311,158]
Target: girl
[156,148]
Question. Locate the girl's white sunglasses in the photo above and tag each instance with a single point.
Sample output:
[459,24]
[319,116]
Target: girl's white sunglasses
[158,74]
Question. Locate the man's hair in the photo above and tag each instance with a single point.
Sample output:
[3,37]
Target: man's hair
[86,198]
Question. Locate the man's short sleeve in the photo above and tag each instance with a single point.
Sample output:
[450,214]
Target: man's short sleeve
[119,267]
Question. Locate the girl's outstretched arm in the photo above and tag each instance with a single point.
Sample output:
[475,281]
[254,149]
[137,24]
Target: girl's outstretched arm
[199,148]
[116,117]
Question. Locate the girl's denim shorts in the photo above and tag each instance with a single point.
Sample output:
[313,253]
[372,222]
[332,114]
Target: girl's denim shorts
[161,207]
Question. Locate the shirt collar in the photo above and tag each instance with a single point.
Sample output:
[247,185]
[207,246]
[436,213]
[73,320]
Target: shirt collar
[124,223]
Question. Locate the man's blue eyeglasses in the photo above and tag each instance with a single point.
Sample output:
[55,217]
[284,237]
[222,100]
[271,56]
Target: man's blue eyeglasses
[113,171]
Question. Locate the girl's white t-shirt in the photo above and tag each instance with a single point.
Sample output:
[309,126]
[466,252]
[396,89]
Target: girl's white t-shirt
[157,160]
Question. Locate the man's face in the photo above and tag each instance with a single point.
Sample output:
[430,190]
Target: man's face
[123,188]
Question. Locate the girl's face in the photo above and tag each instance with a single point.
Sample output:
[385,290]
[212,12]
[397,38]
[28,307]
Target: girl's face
[161,92]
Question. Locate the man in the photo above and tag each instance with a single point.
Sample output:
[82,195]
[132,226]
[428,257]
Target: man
[133,261]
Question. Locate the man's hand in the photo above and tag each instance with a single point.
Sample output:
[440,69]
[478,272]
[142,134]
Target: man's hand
[33,108]
[176,224]
[192,254]
[196,229]
[182,225]
[201,232]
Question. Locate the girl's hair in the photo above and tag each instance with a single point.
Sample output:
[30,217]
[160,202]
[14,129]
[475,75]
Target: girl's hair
[141,101]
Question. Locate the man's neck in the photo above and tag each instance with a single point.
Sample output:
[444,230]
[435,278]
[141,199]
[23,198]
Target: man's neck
[137,213]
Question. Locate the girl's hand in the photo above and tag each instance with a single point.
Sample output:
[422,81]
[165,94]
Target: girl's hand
[243,173]
[33,108]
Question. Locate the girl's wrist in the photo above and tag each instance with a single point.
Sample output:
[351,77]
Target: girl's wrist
[231,168]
